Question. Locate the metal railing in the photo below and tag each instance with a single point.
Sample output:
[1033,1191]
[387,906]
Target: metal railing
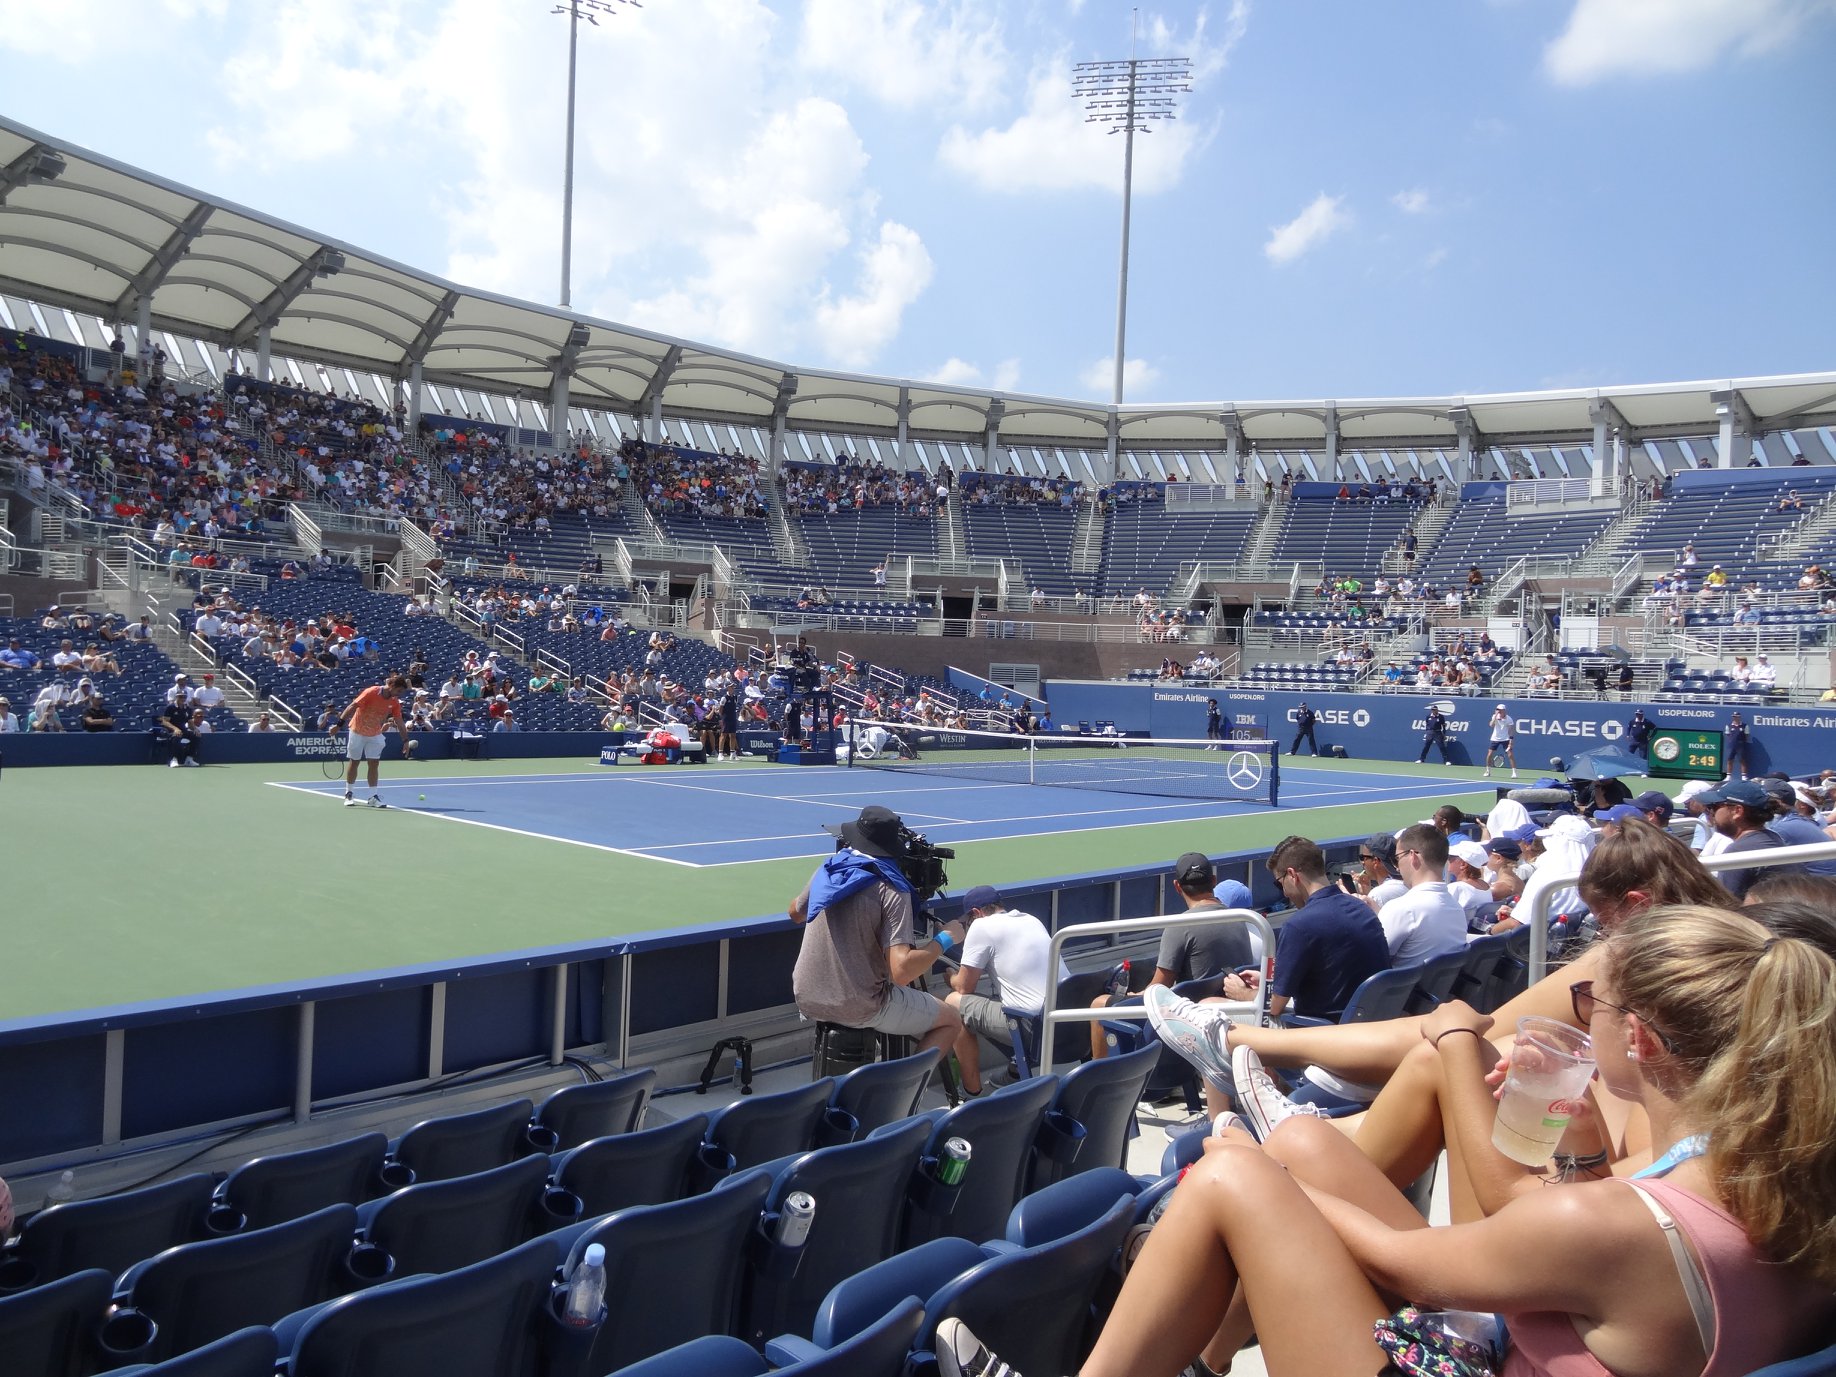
[307,533]
[1538,920]
[1052,1015]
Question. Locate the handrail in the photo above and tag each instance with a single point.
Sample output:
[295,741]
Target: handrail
[1538,922]
[1051,1015]
[306,532]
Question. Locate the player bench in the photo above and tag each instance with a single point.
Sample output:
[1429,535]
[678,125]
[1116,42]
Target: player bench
[690,752]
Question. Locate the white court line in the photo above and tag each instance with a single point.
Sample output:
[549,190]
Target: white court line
[499,827]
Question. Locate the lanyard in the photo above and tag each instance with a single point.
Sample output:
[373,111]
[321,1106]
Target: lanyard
[1693,1146]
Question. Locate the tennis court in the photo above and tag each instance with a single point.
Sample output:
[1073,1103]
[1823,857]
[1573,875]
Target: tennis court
[725,815]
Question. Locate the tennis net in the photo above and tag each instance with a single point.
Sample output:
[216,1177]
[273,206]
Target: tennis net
[1225,770]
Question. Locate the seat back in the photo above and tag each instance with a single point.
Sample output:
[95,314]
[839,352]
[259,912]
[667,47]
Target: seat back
[580,1113]
[1000,1129]
[246,1353]
[1060,1210]
[884,1092]
[272,1190]
[765,1127]
[877,1351]
[462,1144]
[1475,980]
[484,1320]
[675,1269]
[50,1330]
[860,1193]
[1034,1307]
[202,1291]
[1435,983]
[1384,995]
[112,1232]
[1101,1096]
[443,1225]
[648,1167]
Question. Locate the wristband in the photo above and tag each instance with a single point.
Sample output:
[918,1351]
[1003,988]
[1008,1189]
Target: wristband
[943,940]
[1445,1032]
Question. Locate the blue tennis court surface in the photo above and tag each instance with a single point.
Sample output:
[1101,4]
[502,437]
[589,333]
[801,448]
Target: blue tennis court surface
[716,815]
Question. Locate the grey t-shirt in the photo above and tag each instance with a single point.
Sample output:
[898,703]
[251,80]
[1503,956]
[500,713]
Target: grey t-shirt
[1196,952]
[841,975]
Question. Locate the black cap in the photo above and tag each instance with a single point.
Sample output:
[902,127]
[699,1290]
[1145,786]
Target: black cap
[874,833]
[1195,867]
[1383,846]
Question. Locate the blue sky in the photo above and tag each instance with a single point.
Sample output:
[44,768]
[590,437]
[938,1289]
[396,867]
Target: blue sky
[1359,199]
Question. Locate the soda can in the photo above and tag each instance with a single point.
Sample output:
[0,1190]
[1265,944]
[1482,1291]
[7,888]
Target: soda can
[794,1219]
[954,1162]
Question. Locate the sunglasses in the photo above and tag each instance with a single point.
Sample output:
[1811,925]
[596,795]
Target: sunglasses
[1585,1003]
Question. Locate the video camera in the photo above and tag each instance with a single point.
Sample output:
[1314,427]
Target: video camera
[923,864]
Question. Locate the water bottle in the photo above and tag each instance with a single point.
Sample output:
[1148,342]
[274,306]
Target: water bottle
[63,1192]
[586,1290]
[1118,982]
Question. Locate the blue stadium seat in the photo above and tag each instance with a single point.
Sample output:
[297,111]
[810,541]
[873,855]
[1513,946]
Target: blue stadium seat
[676,1269]
[860,1193]
[1381,996]
[649,1167]
[1435,981]
[111,1232]
[762,1128]
[272,1190]
[435,1226]
[489,1319]
[1100,1096]
[462,1144]
[246,1353]
[879,1350]
[1822,1363]
[883,1092]
[202,1291]
[1001,1128]
[51,1330]
[580,1113]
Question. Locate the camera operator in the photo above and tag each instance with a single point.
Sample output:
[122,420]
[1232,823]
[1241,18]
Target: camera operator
[860,951]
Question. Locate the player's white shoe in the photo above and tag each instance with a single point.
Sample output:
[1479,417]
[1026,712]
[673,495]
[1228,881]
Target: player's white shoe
[375,801]
[349,801]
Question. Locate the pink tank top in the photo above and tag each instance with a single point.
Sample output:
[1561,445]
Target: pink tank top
[1763,1313]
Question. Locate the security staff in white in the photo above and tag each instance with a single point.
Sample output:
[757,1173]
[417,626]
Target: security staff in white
[1010,950]
[1426,921]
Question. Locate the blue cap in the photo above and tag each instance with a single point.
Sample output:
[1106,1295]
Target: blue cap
[1742,791]
[1524,835]
[982,896]
[1619,812]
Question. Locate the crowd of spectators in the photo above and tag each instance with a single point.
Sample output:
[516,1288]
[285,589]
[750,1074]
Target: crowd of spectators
[998,490]
[673,481]
[855,484]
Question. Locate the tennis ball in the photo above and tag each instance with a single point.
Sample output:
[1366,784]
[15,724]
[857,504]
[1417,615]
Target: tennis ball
[423,798]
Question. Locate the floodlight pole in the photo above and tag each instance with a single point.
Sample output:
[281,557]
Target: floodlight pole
[575,10]
[1128,96]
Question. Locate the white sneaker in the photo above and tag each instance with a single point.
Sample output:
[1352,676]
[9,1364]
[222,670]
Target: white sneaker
[961,1354]
[172,764]
[1199,1034]
[191,763]
[1227,1121]
[1514,774]
[1486,775]
[375,801]
[349,802]
[1258,1097]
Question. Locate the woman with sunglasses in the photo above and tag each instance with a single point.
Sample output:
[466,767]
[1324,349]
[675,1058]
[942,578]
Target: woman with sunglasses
[1717,1260]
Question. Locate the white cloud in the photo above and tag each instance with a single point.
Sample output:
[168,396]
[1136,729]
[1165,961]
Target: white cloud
[1414,201]
[955,372]
[894,273]
[905,52]
[1323,217]
[1208,53]
[1606,38]
[1099,379]
[1435,258]
[1050,147]
[73,32]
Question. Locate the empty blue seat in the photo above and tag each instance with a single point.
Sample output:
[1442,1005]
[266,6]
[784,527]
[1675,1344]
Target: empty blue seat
[272,1190]
[860,1194]
[436,1226]
[765,1127]
[879,1350]
[246,1353]
[462,1144]
[883,1092]
[1100,1096]
[51,1330]
[580,1113]
[112,1232]
[648,1167]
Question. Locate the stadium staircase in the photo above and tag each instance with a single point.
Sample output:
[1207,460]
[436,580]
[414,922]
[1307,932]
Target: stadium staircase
[1260,546]
[1809,532]
[1087,540]
[1427,527]
[650,528]
[951,543]
[1604,553]
[788,546]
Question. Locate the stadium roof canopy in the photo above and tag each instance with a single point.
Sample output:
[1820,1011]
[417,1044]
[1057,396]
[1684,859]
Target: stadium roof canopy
[83,232]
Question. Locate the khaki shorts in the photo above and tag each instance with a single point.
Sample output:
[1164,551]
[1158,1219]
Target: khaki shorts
[907,1013]
[986,1017]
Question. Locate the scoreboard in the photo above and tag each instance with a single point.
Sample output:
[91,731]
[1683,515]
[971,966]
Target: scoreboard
[1675,754]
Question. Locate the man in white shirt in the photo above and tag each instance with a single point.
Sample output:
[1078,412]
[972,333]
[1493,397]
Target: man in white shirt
[1011,949]
[1765,676]
[207,696]
[8,722]
[180,692]
[1427,921]
[1466,878]
[67,659]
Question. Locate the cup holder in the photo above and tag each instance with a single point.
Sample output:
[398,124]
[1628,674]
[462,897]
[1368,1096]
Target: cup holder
[225,1219]
[395,1176]
[369,1263]
[542,1138]
[1061,1137]
[562,1206]
[127,1335]
[712,1164]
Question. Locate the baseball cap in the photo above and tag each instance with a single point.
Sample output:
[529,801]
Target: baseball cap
[1778,790]
[180,675]
[1529,832]
[1695,789]
[982,896]
[1742,791]
[1619,812]
[1655,801]
[1194,867]
[1503,846]
[1469,851]
[1383,846]
[209,677]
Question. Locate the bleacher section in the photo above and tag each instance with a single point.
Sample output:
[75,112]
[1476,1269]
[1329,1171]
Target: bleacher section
[135,696]
[845,547]
[1344,537]
[1727,518]
[1144,544]
[1484,532]
[1038,537]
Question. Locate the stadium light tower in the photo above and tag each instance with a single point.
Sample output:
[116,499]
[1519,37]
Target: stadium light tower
[1128,97]
[576,10]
